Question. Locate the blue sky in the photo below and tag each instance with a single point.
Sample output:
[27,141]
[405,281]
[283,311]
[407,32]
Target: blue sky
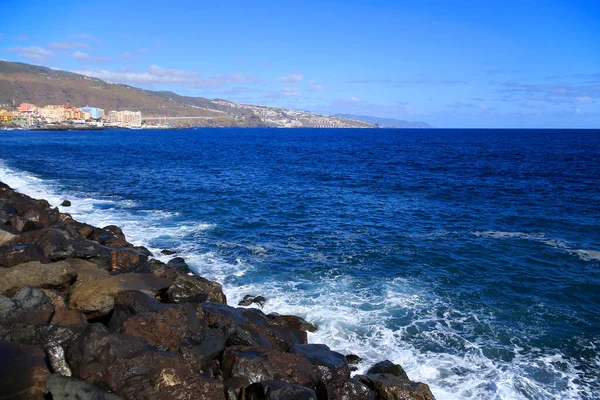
[450,63]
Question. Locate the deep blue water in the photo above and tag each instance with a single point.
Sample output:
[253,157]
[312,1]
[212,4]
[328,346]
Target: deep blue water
[471,257]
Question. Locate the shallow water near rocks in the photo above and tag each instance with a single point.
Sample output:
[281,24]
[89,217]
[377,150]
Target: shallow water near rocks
[470,257]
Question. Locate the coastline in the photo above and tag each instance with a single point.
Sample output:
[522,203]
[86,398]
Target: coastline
[78,288]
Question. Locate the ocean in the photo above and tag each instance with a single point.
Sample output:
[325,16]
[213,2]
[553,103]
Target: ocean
[470,257]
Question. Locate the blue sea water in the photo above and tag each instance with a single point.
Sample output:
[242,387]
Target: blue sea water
[470,257]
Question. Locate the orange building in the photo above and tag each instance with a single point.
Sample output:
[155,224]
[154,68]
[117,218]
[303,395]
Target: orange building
[27,107]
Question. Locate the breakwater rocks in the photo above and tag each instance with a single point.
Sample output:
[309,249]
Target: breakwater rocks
[86,314]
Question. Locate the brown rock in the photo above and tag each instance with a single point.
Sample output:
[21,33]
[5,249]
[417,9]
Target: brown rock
[135,370]
[276,390]
[260,364]
[86,271]
[63,315]
[57,275]
[195,289]
[332,365]
[164,329]
[28,306]
[19,254]
[96,298]
[125,260]
[390,387]
[23,372]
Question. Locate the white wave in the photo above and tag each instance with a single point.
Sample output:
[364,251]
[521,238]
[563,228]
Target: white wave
[585,255]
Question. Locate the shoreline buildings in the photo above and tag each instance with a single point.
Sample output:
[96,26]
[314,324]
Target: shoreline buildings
[27,114]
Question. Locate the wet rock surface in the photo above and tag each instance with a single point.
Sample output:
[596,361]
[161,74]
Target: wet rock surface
[84,314]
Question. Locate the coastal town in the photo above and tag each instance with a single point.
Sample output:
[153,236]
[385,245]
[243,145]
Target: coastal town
[28,116]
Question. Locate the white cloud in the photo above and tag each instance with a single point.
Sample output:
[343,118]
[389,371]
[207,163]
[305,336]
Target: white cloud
[290,78]
[32,53]
[156,75]
[69,45]
[284,92]
[584,99]
[126,54]
[80,55]
[318,88]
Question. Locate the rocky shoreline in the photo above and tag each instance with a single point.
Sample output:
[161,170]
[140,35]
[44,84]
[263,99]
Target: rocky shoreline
[84,314]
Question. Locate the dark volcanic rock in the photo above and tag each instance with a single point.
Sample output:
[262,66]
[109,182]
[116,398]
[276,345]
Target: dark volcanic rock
[29,306]
[132,302]
[86,271]
[115,231]
[58,244]
[23,372]
[178,264]
[25,225]
[293,322]
[128,260]
[259,364]
[248,300]
[276,390]
[388,367]
[188,289]
[57,275]
[332,366]
[63,315]
[168,252]
[19,254]
[66,203]
[353,360]
[390,387]
[134,370]
[96,298]
[69,388]
[249,327]
[166,328]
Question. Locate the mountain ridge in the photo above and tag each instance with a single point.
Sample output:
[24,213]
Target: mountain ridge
[39,85]
[387,122]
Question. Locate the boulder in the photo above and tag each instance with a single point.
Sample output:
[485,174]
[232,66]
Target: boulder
[19,254]
[68,388]
[248,300]
[178,264]
[58,244]
[57,275]
[8,235]
[132,302]
[293,322]
[97,298]
[66,203]
[249,327]
[7,211]
[353,360]
[128,260]
[25,225]
[63,315]
[28,306]
[115,231]
[134,370]
[390,387]
[260,364]
[164,329]
[195,289]
[167,252]
[23,371]
[276,390]
[332,366]
[388,367]
[86,271]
